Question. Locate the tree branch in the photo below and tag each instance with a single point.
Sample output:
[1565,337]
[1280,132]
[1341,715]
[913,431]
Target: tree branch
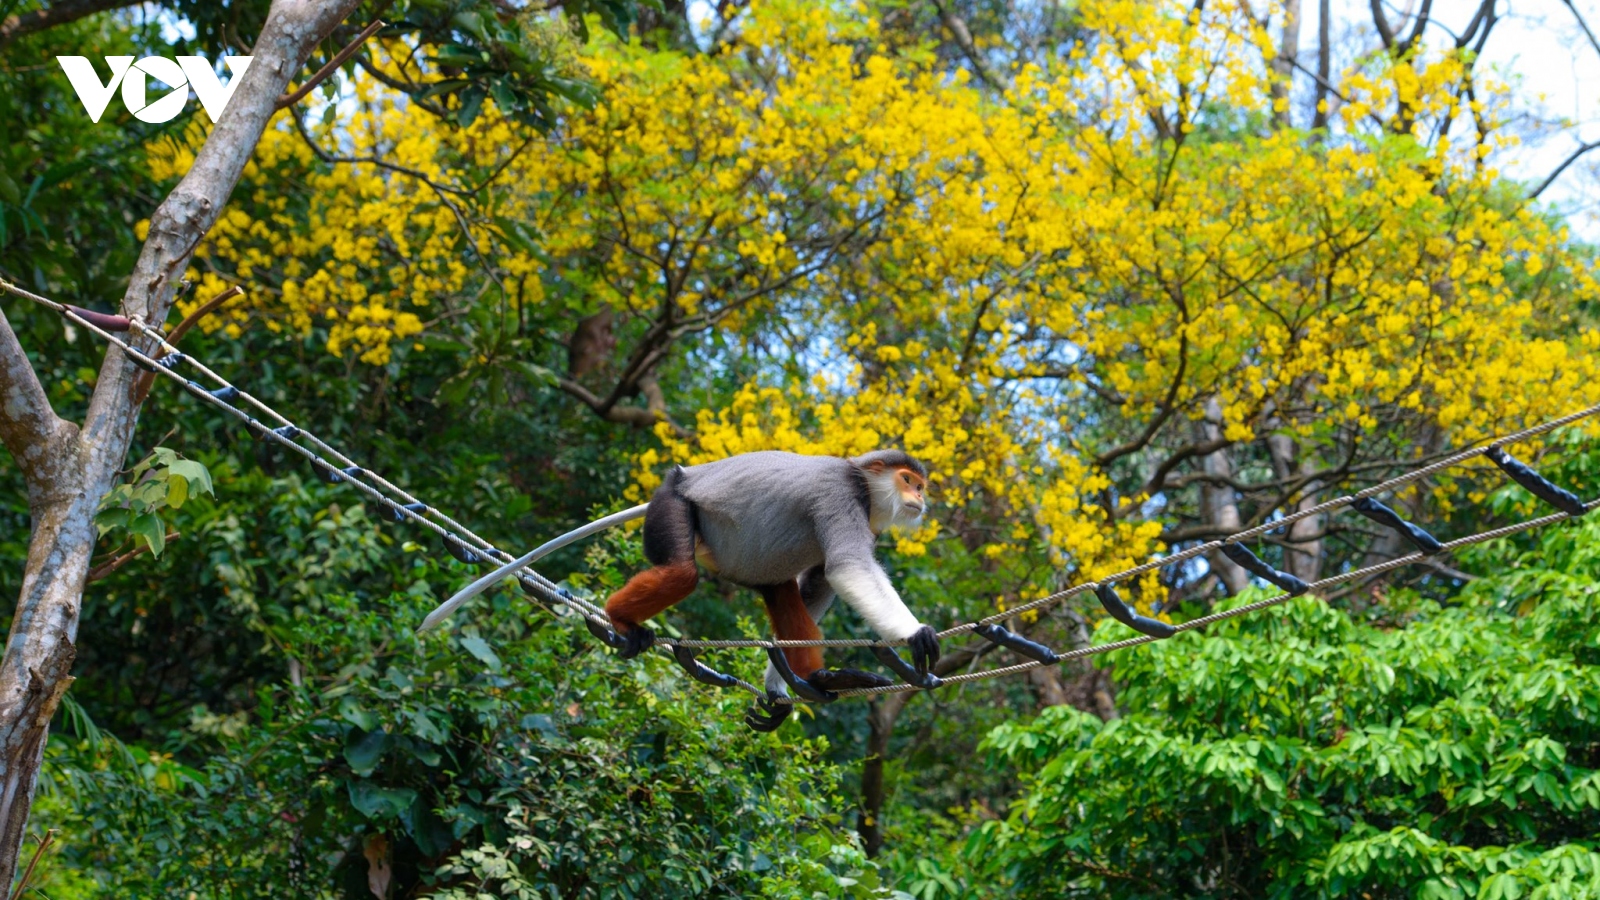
[333,65]
[28,424]
[1159,479]
[1549,180]
[1168,406]
[1319,99]
[58,13]
[963,38]
[637,416]
[117,562]
[1381,22]
[1582,23]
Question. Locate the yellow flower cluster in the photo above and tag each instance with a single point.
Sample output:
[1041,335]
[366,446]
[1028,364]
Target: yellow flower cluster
[972,277]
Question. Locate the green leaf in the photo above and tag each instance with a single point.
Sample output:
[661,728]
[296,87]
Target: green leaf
[423,726]
[478,647]
[153,531]
[194,472]
[110,519]
[350,710]
[471,103]
[431,833]
[376,802]
[363,749]
[177,490]
[471,22]
[504,97]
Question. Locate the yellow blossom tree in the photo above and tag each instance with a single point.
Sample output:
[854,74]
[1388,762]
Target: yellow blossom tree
[1118,308]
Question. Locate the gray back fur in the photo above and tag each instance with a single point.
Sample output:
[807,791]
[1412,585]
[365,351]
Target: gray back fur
[809,509]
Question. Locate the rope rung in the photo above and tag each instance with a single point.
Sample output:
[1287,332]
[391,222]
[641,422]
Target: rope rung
[1537,484]
[397,515]
[461,551]
[1122,612]
[699,671]
[1253,564]
[1383,515]
[1018,644]
[333,476]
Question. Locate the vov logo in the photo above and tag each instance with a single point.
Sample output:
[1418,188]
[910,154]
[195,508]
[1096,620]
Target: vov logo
[187,72]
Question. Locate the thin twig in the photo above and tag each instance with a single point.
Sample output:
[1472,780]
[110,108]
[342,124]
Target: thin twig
[141,388]
[339,59]
[1582,149]
[106,568]
[44,844]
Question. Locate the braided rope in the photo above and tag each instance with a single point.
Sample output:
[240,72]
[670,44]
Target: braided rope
[383,492]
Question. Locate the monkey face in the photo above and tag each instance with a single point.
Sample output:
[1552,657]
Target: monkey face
[899,497]
[913,490]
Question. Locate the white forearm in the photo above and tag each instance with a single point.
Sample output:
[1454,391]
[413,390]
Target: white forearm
[867,590]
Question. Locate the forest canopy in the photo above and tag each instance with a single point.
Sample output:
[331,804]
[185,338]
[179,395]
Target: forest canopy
[1127,276]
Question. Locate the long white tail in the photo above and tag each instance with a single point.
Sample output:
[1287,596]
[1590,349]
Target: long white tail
[494,578]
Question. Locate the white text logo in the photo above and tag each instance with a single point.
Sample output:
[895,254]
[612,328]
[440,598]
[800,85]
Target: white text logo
[187,72]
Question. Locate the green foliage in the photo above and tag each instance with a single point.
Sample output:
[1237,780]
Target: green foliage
[161,481]
[512,757]
[254,718]
[508,59]
[1298,753]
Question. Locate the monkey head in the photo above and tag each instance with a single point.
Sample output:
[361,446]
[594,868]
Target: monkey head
[897,488]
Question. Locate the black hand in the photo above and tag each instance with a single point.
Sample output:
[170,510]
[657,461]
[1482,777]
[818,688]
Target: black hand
[766,716]
[924,644]
[638,639]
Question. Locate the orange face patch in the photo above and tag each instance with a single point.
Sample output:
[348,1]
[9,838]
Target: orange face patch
[913,487]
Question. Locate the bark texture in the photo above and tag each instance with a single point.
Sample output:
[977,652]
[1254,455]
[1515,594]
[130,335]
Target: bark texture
[1219,504]
[69,469]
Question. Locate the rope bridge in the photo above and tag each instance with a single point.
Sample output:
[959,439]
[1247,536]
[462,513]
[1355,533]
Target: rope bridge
[333,466]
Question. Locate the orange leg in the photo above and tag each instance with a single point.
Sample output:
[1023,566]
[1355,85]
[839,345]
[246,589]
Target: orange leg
[650,592]
[791,622]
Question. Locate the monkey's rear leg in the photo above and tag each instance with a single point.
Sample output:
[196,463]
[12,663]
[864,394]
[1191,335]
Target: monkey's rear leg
[646,594]
[791,621]
[669,545]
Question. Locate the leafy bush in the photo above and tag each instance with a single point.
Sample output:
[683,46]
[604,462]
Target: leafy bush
[1453,751]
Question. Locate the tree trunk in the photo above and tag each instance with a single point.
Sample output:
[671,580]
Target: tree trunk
[880,727]
[1218,502]
[1319,108]
[1303,544]
[882,715]
[1288,55]
[68,470]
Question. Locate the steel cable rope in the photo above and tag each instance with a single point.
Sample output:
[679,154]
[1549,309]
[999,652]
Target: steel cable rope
[467,546]
[408,507]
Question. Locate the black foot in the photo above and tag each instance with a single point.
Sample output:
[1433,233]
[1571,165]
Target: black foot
[924,644]
[846,679]
[699,671]
[636,640]
[805,689]
[607,636]
[767,714]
